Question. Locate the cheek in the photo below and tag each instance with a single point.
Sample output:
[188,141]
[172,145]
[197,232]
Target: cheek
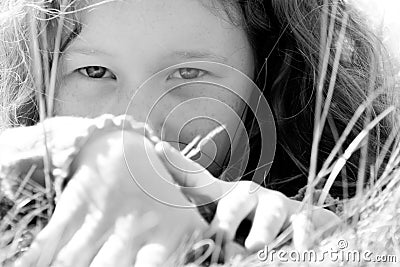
[199,115]
[201,112]
[67,102]
[72,100]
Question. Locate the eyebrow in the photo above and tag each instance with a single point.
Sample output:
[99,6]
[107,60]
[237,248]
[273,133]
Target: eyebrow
[181,54]
[87,51]
[199,54]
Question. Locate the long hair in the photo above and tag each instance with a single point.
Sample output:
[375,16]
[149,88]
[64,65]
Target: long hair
[22,22]
[285,35]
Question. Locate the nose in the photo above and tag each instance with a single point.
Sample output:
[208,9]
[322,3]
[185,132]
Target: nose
[143,101]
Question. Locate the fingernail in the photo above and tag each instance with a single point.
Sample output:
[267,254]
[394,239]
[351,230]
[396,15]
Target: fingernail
[253,243]
[151,255]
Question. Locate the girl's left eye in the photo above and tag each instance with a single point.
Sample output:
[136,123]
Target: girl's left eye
[96,72]
[188,73]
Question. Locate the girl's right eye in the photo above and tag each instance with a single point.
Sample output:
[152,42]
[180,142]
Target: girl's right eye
[96,72]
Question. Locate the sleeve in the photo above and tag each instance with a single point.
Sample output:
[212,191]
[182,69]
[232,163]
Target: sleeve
[55,145]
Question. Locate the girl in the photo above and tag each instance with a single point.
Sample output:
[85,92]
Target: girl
[104,58]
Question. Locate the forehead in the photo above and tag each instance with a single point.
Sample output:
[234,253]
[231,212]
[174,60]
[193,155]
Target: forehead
[152,15]
[150,25]
[221,6]
[162,10]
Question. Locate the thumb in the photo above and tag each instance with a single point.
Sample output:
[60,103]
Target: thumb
[196,181]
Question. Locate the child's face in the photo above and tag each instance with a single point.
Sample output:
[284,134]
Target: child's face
[123,43]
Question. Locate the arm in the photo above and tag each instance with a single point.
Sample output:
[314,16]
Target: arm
[103,210]
[269,211]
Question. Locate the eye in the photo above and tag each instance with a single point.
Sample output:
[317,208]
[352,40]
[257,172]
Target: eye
[96,72]
[188,73]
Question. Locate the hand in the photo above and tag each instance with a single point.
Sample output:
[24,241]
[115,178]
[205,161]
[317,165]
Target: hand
[270,211]
[103,217]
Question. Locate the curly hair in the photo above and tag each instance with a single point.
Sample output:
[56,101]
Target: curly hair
[286,36]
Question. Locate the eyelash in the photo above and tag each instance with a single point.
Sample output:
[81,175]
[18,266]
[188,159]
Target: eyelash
[84,72]
[178,74]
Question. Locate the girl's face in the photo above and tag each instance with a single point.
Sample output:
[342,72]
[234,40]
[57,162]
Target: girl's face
[123,43]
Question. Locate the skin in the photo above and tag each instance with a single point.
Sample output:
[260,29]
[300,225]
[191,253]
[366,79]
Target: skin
[131,41]
[104,219]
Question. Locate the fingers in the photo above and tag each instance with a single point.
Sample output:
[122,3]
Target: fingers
[195,180]
[42,250]
[233,208]
[152,255]
[270,216]
[163,244]
[323,218]
[122,245]
[233,249]
[167,237]
[85,243]
[181,167]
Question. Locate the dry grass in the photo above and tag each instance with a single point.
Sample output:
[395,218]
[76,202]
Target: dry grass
[369,222]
